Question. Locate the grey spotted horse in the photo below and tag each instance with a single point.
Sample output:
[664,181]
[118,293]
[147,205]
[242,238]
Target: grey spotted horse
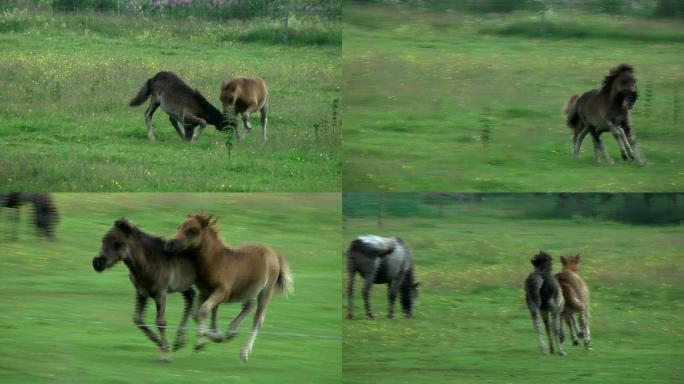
[382,260]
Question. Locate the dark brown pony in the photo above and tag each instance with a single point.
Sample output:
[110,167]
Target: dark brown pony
[576,295]
[606,110]
[185,106]
[154,273]
[245,95]
[229,275]
[544,297]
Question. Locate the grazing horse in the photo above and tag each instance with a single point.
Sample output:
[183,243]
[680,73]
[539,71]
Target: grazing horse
[576,295]
[229,274]
[245,95]
[543,295]
[45,215]
[154,272]
[186,107]
[382,260]
[606,110]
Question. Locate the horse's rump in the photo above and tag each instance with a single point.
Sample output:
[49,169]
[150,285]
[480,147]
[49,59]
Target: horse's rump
[373,246]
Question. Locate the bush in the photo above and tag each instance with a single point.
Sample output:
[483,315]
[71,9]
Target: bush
[80,5]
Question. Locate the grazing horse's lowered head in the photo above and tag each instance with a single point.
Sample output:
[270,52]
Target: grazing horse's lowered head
[606,110]
[382,260]
[543,296]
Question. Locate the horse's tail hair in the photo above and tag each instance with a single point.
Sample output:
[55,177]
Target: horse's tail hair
[142,95]
[285,281]
[570,110]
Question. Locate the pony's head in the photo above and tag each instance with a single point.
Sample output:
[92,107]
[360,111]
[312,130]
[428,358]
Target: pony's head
[192,233]
[571,262]
[620,84]
[229,94]
[115,245]
[542,261]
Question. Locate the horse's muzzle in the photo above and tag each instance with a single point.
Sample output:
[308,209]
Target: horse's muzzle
[99,263]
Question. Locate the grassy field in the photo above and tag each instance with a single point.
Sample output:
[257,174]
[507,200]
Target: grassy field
[447,101]
[66,124]
[88,335]
[472,325]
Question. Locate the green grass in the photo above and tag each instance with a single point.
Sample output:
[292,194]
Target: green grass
[457,102]
[66,124]
[56,281]
[472,325]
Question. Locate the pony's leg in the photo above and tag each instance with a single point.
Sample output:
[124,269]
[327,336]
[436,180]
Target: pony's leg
[599,150]
[350,290]
[536,321]
[264,120]
[188,300]
[555,328]
[391,299]
[181,132]
[214,334]
[13,228]
[160,300]
[572,325]
[584,324]
[208,306]
[621,138]
[545,317]
[247,307]
[578,139]
[245,121]
[154,104]
[140,304]
[262,302]
[192,119]
[367,284]
[638,157]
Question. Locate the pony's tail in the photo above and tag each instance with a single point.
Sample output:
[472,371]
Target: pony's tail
[142,95]
[285,282]
[570,110]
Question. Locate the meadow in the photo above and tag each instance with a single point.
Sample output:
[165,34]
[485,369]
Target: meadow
[67,79]
[62,322]
[471,323]
[452,101]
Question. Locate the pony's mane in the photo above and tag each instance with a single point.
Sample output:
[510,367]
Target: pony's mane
[212,227]
[613,74]
[205,104]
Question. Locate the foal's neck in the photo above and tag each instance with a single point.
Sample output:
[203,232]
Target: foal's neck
[213,247]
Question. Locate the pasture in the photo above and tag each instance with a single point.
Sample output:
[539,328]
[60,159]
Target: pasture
[67,79]
[471,323]
[62,322]
[460,102]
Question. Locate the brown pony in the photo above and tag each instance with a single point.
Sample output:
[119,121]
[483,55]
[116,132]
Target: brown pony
[576,295]
[228,274]
[245,95]
[603,110]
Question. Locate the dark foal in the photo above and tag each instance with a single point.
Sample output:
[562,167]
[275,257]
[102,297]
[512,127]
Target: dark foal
[154,273]
[186,107]
[606,110]
[45,215]
[544,296]
[382,260]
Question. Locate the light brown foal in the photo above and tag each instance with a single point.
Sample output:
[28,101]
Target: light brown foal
[245,95]
[227,275]
[576,295]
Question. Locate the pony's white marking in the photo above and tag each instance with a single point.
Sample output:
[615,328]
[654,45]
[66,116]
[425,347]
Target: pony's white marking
[376,241]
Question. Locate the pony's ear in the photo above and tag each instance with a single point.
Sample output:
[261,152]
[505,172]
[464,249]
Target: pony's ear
[213,220]
[124,225]
[204,220]
[578,257]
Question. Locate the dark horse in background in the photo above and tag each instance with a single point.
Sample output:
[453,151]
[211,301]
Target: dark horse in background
[154,273]
[606,110]
[45,215]
[382,260]
[186,107]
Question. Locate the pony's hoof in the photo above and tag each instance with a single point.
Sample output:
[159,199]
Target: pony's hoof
[178,345]
[349,316]
[575,342]
[562,353]
[230,336]
[164,357]
[390,316]
[244,355]
[200,344]
[216,337]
